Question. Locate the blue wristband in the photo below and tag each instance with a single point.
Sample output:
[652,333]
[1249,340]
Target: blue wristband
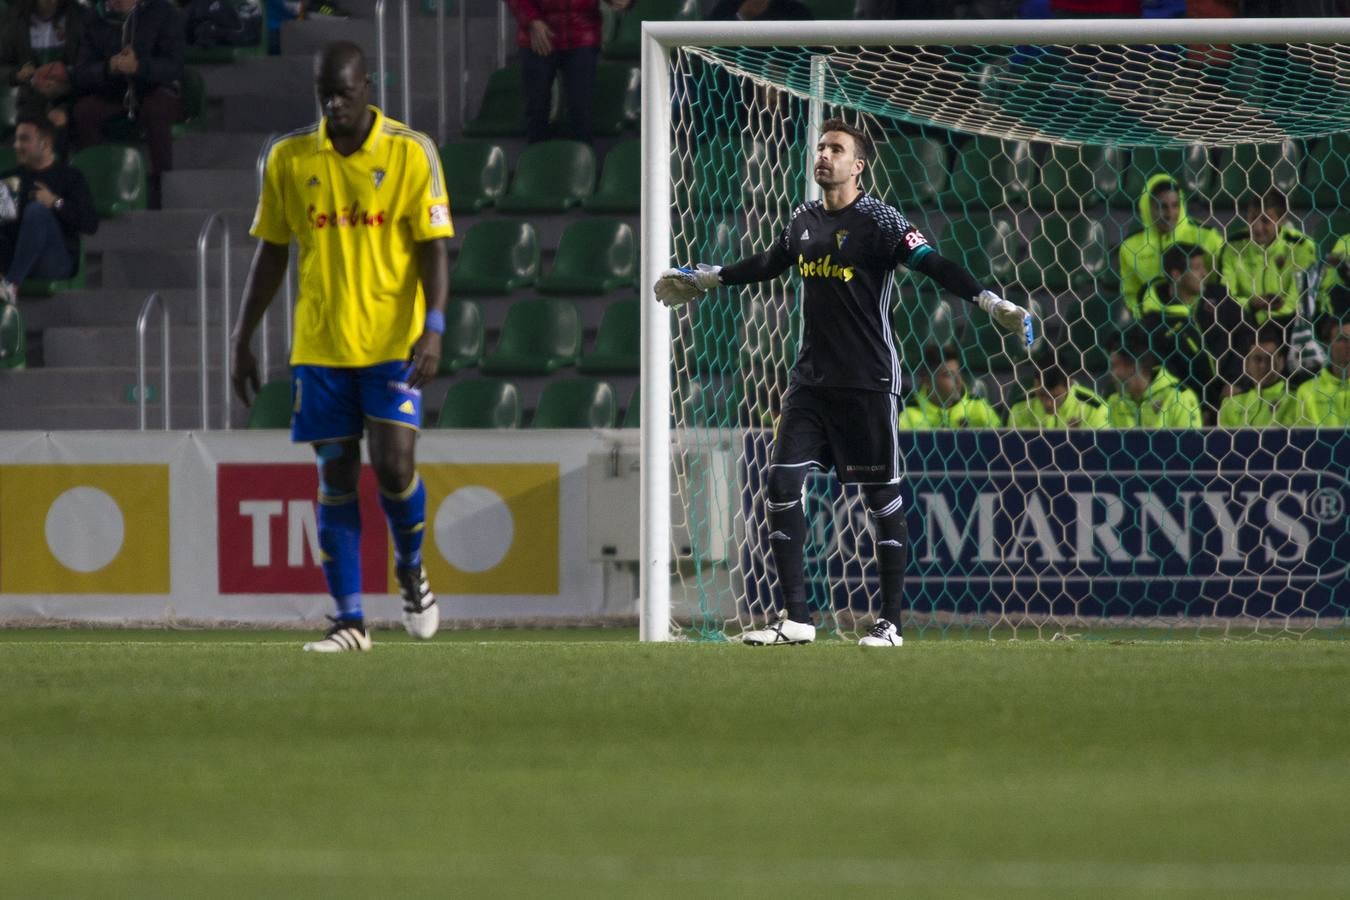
[436,321]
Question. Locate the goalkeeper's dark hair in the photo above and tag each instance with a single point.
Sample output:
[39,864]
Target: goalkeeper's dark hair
[862,144]
[1177,258]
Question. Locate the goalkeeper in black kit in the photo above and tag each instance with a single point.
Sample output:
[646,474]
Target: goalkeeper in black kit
[841,409]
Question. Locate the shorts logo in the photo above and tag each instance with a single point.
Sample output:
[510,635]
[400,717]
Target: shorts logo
[439,214]
[378,176]
[406,407]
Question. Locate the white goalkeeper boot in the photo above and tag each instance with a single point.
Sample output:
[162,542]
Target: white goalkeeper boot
[342,637]
[783,633]
[421,615]
[882,634]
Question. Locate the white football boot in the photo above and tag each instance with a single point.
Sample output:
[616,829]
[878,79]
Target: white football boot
[343,636]
[882,634]
[421,615]
[783,633]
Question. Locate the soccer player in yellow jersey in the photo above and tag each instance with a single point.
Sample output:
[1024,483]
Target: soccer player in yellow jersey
[365,199]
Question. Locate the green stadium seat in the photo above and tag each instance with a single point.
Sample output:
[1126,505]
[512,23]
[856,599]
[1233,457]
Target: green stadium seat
[989,247]
[538,338]
[911,171]
[462,341]
[618,342]
[632,413]
[1064,253]
[1190,165]
[617,98]
[13,340]
[475,174]
[502,112]
[497,257]
[575,403]
[830,10]
[480,403]
[712,404]
[116,175]
[8,158]
[594,256]
[46,287]
[273,406]
[1255,169]
[551,176]
[1326,174]
[1075,178]
[623,31]
[620,188]
[989,173]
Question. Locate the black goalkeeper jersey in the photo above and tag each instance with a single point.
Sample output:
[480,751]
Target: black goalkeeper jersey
[846,259]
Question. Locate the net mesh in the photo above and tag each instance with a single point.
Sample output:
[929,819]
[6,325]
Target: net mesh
[1033,166]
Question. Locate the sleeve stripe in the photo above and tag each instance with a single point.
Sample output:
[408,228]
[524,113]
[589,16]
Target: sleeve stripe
[432,154]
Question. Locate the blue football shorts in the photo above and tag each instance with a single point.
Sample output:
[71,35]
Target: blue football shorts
[330,403]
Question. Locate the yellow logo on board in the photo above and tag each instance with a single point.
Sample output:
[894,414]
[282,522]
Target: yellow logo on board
[84,529]
[492,528]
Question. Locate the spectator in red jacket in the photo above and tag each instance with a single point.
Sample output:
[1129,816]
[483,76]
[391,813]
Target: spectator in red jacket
[559,36]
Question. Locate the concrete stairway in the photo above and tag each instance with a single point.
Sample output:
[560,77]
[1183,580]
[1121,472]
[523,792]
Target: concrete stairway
[82,345]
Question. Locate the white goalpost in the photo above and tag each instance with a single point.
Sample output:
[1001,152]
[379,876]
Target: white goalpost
[1022,148]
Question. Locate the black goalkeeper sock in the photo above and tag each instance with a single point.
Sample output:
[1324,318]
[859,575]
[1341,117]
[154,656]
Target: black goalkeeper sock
[787,535]
[892,542]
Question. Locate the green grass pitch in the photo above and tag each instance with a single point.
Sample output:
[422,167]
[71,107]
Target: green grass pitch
[154,764]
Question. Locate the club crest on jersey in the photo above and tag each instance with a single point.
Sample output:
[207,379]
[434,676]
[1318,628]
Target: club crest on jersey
[823,268]
[839,237]
[378,176]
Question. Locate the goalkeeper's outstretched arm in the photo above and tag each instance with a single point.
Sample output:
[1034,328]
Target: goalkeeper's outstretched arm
[679,286]
[954,278]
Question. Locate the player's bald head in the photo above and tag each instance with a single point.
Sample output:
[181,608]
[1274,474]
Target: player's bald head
[339,60]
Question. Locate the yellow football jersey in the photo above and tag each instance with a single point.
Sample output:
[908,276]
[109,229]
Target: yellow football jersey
[357,220]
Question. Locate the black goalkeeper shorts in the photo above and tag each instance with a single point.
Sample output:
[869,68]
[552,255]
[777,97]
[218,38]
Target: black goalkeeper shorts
[854,432]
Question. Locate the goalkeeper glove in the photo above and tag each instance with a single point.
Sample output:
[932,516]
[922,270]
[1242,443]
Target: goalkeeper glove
[1008,315]
[677,287]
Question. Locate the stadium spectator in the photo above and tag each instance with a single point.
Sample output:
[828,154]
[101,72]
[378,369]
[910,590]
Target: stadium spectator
[52,207]
[130,63]
[38,43]
[1324,401]
[941,400]
[1267,266]
[559,36]
[753,10]
[1147,395]
[1057,402]
[1162,211]
[1194,326]
[1333,292]
[1263,397]
[1095,9]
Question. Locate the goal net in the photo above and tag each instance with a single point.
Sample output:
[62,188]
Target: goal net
[1044,165]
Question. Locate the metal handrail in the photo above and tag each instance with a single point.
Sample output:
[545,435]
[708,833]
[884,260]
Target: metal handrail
[464,62]
[203,245]
[289,311]
[441,133]
[405,63]
[142,321]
